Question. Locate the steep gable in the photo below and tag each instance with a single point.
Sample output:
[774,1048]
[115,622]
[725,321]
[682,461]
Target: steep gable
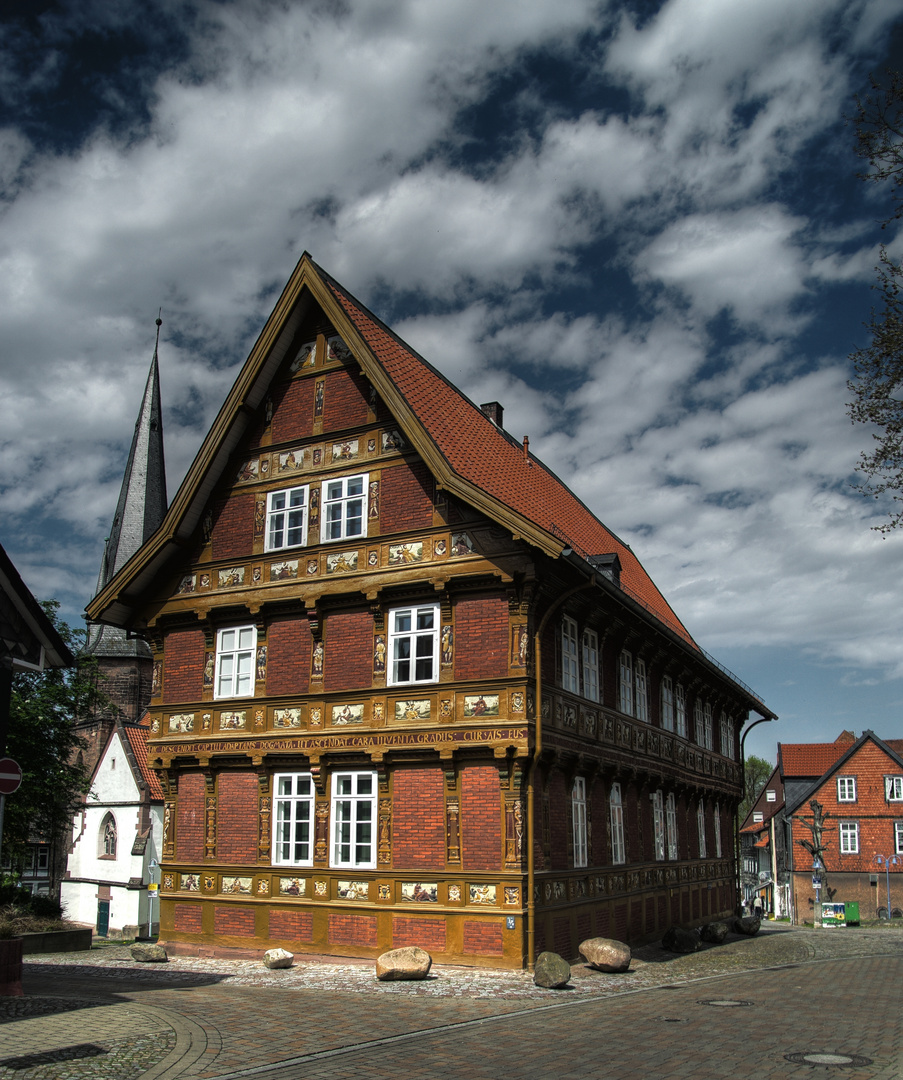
[464,450]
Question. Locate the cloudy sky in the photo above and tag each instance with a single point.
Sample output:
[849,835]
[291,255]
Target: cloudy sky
[635,224]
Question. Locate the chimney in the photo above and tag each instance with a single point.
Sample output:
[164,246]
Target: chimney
[494,411]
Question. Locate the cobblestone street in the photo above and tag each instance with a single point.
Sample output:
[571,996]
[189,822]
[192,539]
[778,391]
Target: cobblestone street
[101,1015]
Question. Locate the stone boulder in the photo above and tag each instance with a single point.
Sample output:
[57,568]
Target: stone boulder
[147,953]
[551,971]
[605,954]
[713,933]
[749,926]
[401,964]
[278,958]
[678,940]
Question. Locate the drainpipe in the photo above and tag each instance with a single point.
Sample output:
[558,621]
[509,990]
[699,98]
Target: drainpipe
[737,852]
[534,761]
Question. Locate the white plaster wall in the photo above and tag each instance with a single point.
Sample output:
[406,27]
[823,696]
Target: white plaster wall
[113,784]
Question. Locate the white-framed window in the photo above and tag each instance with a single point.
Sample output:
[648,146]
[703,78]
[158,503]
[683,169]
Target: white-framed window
[570,673]
[700,828]
[893,788]
[671,825]
[414,644]
[725,735]
[849,837]
[639,681]
[345,507]
[680,711]
[771,795]
[591,665]
[667,703]
[697,723]
[293,819]
[616,809]
[717,831]
[898,837]
[846,788]
[707,725]
[235,650]
[106,837]
[286,524]
[578,808]
[354,820]
[731,732]
[658,824]
[758,817]
[625,683]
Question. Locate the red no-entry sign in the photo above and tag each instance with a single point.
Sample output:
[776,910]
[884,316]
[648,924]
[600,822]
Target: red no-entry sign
[10,776]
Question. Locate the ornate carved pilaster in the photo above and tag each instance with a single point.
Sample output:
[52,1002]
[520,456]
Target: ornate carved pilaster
[169,783]
[384,849]
[321,833]
[210,815]
[452,814]
[264,810]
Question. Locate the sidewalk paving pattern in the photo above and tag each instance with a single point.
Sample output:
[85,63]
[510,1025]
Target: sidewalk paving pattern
[735,1010]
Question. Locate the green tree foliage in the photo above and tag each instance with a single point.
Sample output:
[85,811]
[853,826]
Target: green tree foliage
[756,773]
[43,709]
[877,385]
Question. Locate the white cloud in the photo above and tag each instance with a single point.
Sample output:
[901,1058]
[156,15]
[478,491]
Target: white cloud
[572,272]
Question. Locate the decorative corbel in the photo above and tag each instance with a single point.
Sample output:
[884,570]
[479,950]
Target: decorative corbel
[378,612]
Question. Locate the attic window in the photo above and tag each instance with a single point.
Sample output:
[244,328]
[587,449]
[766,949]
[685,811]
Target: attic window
[608,566]
[758,817]
[770,795]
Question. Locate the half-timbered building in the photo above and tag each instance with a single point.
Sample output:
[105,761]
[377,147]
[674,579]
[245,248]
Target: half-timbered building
[407,688]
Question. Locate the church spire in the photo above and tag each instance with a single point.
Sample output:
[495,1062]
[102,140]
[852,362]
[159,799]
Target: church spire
[141,506]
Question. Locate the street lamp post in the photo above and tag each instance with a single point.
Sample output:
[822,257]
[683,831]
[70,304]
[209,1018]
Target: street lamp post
[887,861]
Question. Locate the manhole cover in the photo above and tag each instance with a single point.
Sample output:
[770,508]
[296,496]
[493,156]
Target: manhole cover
[837,1061]
[725,1003]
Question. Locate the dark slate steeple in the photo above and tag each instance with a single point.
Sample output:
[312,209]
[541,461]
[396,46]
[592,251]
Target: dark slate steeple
[141,507]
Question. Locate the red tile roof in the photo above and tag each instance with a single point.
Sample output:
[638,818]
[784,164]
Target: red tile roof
[481,454]
[137,736]
[810,759]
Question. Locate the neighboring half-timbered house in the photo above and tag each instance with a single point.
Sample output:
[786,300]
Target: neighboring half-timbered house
[407,688]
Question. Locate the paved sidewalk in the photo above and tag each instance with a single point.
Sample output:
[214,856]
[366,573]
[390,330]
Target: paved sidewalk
[98,1015]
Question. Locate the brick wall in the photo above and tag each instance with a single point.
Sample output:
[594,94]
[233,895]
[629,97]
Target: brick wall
[871,811]
[558,805]
[481,638]
[352,930]
[406,499]
[233,921]
[291,925]
[345,399]
[484,938]
[233,527]
[348,640]
[237,817]
[418,819]
[288,657]
[480,817]
[293,410]
[183,667]
[190,818]
[428,934]
[562,937]
[187,918]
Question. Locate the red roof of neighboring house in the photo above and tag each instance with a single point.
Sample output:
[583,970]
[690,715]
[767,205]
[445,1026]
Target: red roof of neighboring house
[813,759]
[763,842]
[480,453]
[137,736]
